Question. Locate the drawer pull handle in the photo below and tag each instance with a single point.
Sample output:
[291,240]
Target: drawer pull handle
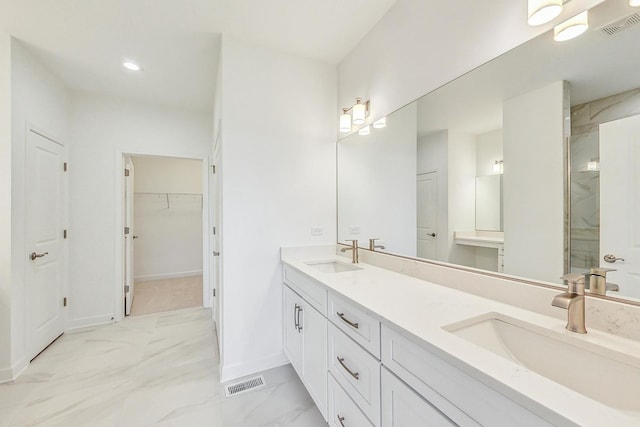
[355,375]
[340,420]
[344,319]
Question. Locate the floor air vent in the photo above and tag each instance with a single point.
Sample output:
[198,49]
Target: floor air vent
[245,386]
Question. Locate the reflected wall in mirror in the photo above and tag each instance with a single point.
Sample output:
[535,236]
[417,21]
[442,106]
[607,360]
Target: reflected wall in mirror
[540,110]
[489,203]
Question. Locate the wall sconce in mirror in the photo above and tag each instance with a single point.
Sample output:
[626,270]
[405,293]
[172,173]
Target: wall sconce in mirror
[498,167]
[572,27]
[543,11]
[380,123]
[359,113]
[365,131]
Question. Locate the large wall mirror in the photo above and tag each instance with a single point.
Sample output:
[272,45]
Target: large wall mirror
[527,166]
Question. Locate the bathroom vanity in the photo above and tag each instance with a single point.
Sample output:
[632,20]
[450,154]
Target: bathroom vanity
[378,348]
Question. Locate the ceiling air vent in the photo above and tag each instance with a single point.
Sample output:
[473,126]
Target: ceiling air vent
[245,386]
[622,24]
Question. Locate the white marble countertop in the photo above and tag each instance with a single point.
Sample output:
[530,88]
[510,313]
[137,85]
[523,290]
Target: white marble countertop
[422,308]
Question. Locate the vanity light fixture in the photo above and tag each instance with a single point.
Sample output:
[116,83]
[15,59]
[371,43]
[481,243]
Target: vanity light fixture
[131,66]
[365,131]
[498,167]
[345,121]
[634,3]
[359,112]
[543,11]
[380,123]
[572,27]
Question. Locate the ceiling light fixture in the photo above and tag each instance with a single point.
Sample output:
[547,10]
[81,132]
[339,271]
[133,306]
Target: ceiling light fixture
[131,66]
[365,131]
[359,112]
[543,11]
[572,27]
[380,123]
[634,3]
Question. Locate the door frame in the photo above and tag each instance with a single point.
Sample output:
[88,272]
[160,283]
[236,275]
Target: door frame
[119,223]
[64,246]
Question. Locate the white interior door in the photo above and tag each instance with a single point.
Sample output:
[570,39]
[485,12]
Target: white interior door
[620,202]
[427,215]
[44,234]
[128,235]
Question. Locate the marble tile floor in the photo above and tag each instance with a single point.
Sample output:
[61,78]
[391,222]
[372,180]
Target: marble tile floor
[159,369]
[156,296]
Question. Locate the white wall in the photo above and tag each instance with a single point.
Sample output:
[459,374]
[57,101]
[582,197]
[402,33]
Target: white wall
[534,183]
[168,222]
[5,207]
[432,156]
[420,45]
[278,180]
[102,127]
[40,99]
[488,150]
[462,193]
[377,191]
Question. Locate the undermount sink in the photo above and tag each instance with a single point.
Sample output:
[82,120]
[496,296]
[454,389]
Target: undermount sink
[607,376]
[332,266]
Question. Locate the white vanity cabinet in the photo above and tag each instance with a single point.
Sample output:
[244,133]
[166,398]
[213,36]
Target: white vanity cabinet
[305,344]
[403,407]
[457,395]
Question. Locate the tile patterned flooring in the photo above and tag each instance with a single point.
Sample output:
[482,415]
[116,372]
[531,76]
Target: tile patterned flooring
[159,369]
[156,296]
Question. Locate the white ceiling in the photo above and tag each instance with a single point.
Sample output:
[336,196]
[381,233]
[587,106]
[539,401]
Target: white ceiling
[177,41]
[595,65]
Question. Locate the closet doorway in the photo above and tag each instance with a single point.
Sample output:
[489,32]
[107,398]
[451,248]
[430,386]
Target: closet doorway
[163,234]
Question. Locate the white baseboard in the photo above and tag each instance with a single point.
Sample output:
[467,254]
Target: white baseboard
[10,374]
[90,321]
[151,277]
[233,372]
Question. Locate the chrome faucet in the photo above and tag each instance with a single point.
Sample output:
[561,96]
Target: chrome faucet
[573,302]
[373,246]
[353,249]
[598,281]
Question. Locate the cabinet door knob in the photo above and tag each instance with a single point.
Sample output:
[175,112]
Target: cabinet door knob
[340,420]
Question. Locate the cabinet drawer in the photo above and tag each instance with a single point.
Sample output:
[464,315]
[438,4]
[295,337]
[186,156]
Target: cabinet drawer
[462,398]
[355,322]
[403,407]
[313,292]
[343,412]
[356,371]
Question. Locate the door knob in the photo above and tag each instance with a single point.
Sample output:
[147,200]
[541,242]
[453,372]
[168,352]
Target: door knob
[612,258]
[35,255]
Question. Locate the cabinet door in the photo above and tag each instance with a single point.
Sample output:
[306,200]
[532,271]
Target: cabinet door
[314,357]
[403,407]
[292,332]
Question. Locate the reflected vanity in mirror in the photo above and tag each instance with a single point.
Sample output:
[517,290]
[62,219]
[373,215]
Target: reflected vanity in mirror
[526,166]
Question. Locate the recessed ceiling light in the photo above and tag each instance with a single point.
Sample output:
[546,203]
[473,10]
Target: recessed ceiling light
[132,66]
